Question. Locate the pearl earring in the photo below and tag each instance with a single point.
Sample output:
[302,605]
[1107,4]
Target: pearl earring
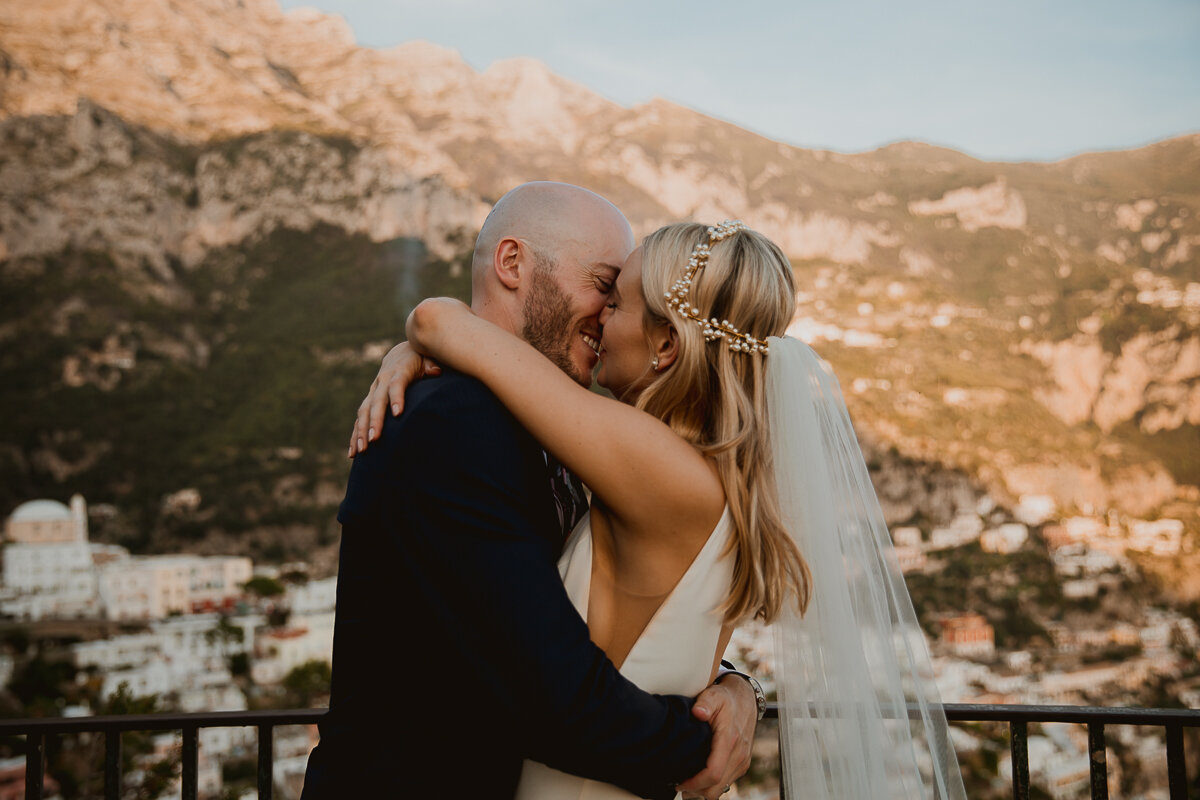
[654,363]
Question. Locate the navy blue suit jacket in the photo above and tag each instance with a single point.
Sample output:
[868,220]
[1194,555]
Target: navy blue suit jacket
[457,652]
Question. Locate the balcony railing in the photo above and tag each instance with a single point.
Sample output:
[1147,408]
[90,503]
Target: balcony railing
[1173,721]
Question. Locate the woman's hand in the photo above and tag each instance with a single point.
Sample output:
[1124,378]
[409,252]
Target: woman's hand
[401,367]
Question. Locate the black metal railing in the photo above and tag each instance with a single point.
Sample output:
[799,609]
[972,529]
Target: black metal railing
[36,731]
[1173,721]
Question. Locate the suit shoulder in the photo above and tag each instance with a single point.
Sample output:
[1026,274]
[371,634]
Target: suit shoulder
[455,395]
[454,408]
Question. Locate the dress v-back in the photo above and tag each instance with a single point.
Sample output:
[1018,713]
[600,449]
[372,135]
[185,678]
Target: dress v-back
[674,654]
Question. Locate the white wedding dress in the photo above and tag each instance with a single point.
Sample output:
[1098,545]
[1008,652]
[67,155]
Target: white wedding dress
[674,654]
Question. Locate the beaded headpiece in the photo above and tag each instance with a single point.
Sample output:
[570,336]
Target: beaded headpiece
[677,298]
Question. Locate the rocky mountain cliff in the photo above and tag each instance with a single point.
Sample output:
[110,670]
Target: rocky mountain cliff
[199,204]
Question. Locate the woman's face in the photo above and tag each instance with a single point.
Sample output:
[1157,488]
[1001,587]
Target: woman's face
[625,354]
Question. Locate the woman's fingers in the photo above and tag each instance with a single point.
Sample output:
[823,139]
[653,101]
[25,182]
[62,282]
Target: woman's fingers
[359,431]
[401,368]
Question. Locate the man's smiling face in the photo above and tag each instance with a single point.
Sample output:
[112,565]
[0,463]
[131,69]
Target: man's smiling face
[562,308]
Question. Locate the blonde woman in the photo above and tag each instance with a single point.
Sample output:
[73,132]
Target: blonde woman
[697,504]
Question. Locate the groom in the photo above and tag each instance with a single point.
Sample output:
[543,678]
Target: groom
[457,652]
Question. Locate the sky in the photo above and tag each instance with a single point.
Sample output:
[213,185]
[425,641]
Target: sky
[1000,80]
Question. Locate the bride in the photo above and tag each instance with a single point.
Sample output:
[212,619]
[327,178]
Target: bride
[727,485]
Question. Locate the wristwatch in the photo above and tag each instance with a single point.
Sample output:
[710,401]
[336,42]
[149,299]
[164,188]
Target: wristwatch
[760,697]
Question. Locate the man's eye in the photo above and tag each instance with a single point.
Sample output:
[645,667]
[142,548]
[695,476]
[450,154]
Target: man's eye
[604,286]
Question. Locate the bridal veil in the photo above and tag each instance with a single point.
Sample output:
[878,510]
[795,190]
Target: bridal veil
[859,713]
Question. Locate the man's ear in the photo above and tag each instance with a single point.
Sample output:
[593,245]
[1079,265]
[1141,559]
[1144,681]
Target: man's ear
[666,347]
[506,261]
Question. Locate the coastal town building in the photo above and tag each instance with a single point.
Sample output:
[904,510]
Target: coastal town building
[1007,538]
[911,559]
[151,587]
[193,627]
[48,522]
[963,529]
[1160,537]
[969,635]
[51,570]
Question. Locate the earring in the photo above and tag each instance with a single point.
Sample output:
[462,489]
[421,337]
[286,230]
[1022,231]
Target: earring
[654,363]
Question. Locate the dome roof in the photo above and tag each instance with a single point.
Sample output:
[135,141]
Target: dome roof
[40,511]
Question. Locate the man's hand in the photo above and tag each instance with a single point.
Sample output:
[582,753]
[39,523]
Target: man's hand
[729,707]
[401,367]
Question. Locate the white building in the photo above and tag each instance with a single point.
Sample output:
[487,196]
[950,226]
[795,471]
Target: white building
[152,587]
[49,580]
[1080,588]
[906,536]
[278,652]
[1078,560]
[1006,538]
[963,529]
[184,655]
[49,567]
[51,570]
[1082,529]
[1160,537]
[911,559]
[313,596]
[1035,509]
[47,522]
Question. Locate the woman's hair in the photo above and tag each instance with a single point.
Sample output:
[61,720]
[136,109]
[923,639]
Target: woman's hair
[715,397]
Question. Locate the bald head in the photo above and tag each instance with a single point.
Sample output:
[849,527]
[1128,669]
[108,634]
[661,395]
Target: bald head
[544,264]
[552,218]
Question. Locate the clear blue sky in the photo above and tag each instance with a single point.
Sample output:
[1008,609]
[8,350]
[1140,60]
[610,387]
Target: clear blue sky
[1016,79]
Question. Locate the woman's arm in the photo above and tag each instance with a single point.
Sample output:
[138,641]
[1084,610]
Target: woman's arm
[633,462]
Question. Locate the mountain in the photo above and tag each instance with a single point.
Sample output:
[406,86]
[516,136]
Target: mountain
[200,203]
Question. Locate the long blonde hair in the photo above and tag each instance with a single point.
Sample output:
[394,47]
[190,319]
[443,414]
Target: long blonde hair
[715,397]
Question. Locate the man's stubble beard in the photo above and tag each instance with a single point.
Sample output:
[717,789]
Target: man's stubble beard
[548,322]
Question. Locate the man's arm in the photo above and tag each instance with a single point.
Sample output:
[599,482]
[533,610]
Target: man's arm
[473,511]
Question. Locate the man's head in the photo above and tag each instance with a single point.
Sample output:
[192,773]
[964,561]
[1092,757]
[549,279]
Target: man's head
[544,262]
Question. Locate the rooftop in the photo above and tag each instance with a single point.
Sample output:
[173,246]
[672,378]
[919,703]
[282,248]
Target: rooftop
[40,511]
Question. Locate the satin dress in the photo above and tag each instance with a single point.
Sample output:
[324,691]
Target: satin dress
[673,655]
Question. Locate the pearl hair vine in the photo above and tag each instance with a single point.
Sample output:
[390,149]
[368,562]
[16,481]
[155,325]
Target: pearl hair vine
[678,301]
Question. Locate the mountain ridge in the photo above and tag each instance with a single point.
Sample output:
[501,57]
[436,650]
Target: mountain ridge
[1031,324]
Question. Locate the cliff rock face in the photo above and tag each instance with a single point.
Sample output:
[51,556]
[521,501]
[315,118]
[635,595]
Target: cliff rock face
[1154,380]
[94,181]
[1034,326]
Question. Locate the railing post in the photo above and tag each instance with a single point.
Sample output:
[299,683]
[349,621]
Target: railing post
[191,756]
[1018,745]
[35,766]
[266,761]
[112,765]
[1098,760]
[1176,768]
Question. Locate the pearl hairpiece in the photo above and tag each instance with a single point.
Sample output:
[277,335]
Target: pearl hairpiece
[677,298]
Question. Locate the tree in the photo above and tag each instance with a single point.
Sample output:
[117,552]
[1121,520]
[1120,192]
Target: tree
[157,776]
[40,684]
[310,679]
[263,586]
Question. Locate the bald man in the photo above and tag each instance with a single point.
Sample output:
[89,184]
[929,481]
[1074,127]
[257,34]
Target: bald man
[457,653]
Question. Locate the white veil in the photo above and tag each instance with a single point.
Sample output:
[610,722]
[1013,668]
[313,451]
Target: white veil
[859,713]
